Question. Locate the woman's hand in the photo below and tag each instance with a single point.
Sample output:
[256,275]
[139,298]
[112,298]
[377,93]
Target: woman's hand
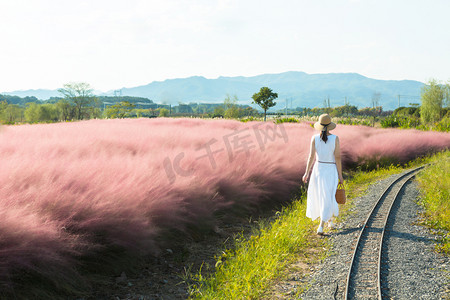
[306,178]
[341,179]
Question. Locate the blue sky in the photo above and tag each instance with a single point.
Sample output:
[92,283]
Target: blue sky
[113,44]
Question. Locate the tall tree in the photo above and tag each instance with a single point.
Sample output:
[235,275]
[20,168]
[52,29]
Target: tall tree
[231,109]
[432,99]
[80,94]
[65,110]
[264,98]
[12,113]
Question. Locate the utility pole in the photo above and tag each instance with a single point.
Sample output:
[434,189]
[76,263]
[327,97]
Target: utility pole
[285,108]
[118,93]
[410,97]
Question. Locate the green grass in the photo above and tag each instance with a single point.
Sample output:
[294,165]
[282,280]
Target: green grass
[254,263]
[247,271]
[434,184]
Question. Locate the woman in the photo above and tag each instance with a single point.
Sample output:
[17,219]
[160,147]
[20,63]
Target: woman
[326,174]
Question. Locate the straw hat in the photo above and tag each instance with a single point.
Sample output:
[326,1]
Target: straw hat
[324,120]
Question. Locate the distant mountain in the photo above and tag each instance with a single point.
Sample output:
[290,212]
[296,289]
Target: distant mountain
[40,93]
[302,89]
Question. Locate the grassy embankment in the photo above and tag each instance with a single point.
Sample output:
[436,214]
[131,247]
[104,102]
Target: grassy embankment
[434,184]
[249,269]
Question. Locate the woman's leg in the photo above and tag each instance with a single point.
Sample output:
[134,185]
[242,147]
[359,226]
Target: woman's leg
[331,223]
[320,228]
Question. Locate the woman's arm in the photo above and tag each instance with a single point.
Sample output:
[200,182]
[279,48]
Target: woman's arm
[312,155]
[337,156]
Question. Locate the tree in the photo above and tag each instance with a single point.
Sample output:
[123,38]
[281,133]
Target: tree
[32,112]
[12,113]
[120,110]
[163,112]
[231,109]
[46,112]
[219,111]
[65,110]
[80,94]
[432,98]
[264,98]
[345,110]
[93,110]
[3,106]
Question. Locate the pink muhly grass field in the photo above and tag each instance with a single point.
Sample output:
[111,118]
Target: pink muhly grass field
[74,190]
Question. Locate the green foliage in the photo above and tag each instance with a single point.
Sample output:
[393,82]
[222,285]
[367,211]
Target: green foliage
[432,97]
[3,105]
[10,99]
[400,121]
[82,97]
[35,113]
[443,125]
[65,110]
[354,121]
[120,110]
[219,112]
[249,119]
[163,112]
[247,270]
[286,120]
[407,111]
[346,110]
[231,109]
[409,117]
[435,194]
[265,99]
[370,111]
[10,113]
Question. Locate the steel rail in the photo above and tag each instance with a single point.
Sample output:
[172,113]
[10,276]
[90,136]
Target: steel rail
[384,230]
[364,228]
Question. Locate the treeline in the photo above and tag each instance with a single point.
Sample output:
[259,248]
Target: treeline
[433,113]
[78,103]
[62,110]
[339,111]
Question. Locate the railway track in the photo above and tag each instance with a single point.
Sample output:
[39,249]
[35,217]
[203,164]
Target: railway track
[364,275]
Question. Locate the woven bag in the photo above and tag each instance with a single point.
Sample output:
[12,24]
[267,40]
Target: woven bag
[340,193]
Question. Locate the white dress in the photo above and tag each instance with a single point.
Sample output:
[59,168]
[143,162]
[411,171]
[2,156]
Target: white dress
[321,197]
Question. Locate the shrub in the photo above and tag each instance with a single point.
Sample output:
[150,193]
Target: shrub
[286,120]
